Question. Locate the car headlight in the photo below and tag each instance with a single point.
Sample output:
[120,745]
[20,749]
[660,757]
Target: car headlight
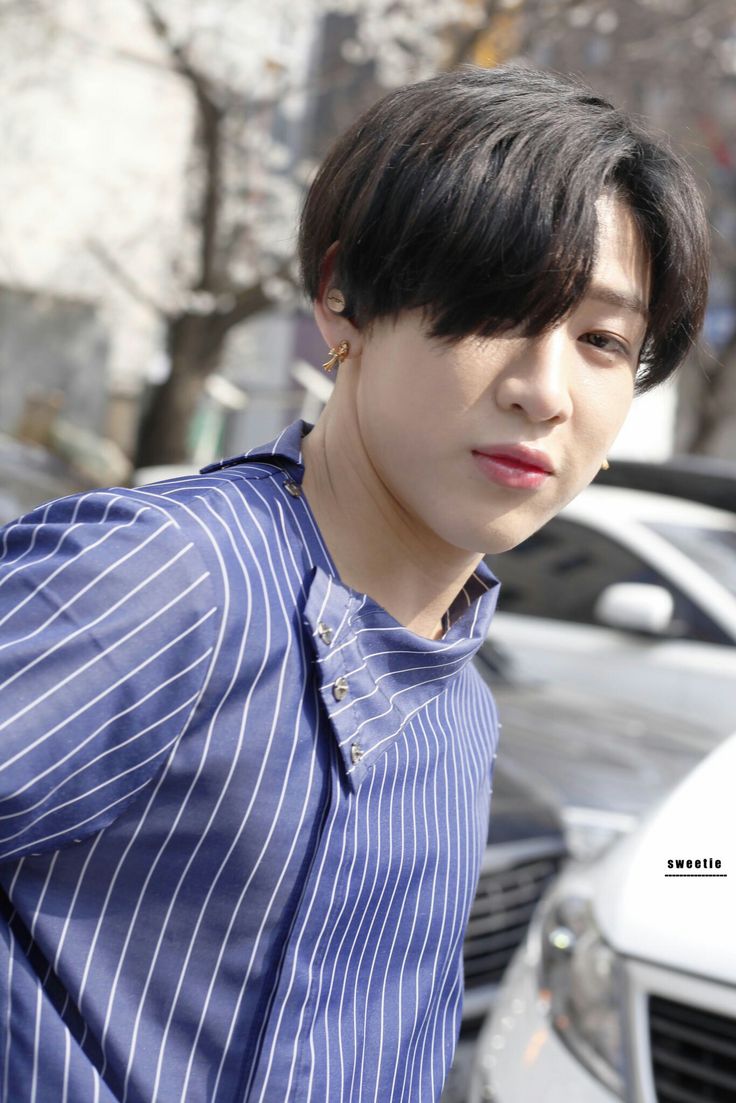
[589,832]
[581,982]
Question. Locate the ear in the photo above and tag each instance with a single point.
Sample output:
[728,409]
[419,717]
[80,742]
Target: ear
[333,326]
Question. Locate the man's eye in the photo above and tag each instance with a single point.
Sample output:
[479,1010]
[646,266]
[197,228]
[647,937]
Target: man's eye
[605,342]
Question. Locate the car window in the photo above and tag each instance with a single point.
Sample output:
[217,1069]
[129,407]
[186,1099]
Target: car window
[712,549]
[561,570]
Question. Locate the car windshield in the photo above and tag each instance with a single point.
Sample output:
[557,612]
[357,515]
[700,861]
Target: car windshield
[712,549]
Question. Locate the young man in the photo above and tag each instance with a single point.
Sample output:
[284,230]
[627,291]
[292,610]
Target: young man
[246,758]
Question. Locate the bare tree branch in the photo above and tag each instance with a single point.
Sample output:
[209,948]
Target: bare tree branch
[210,116]
[249,301]
[713,398]
[124,278]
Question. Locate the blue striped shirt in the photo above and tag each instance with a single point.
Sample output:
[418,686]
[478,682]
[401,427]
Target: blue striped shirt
[242,809]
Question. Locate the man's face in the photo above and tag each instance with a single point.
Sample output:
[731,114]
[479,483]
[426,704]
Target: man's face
[482,442]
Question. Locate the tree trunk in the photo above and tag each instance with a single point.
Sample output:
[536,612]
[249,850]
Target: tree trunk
[195,344]
[707,404]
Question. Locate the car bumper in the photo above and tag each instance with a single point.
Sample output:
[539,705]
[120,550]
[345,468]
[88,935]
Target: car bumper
[520,1058]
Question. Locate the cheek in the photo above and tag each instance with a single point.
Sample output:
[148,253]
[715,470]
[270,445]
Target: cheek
[607,406]
[594,434]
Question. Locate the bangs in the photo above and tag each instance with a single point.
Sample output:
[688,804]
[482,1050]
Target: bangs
[472,197]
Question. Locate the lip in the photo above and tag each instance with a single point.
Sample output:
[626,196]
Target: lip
[514,465]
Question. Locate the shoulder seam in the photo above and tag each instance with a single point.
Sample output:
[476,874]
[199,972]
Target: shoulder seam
[191,543]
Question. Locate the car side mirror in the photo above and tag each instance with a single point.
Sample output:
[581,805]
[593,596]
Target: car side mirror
[636,607]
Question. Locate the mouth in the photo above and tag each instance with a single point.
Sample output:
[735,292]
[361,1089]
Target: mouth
[514,466]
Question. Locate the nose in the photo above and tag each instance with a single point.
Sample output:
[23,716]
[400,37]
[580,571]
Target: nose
[536,378]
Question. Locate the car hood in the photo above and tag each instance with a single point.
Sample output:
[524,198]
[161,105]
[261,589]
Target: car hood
[585,751]
[678,917]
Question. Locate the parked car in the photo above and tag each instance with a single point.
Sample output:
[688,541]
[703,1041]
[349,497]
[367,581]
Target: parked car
[526,847]
[632,595]
[705,479]
[573,772]
[625,987]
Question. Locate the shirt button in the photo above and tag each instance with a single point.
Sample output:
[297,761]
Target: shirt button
[340,688]
[356,752]
[324,632]
[294,489]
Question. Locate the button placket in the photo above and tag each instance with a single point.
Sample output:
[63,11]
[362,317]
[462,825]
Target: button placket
[340,669]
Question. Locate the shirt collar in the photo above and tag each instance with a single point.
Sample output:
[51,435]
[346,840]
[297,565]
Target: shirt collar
[373,673]
[286,446]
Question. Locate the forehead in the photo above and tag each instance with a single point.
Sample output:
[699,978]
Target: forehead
[622,258]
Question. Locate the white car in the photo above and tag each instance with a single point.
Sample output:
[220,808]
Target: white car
[626,985]
[632,595]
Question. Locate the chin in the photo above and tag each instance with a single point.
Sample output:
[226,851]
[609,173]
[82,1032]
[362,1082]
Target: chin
[506,533]
[496,547]
[467,529]
[493,540]
[508,530]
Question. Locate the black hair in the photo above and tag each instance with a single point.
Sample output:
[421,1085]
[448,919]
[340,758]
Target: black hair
[472,196]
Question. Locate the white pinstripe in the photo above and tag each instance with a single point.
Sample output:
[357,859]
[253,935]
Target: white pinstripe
[282,1009]
[69,563]
[393,696]
[181,879]
[99,655]
[268,907]
[70,527]
[405,911]
[141,825]
[432,896]
[96,788]
[336,927]
[377,941]
[111,750]
[257,786]
[77,827]
[225,859]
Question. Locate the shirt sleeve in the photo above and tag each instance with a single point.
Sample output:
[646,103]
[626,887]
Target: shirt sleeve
[107,626]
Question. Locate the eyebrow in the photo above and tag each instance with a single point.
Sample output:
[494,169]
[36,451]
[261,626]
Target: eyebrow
[603,294]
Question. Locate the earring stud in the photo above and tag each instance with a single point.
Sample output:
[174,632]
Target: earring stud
[605,465]
[336,300]
[337,355]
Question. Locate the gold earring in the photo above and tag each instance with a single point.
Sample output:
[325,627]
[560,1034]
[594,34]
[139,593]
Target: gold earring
[605,465]
[337,355]
[336,300]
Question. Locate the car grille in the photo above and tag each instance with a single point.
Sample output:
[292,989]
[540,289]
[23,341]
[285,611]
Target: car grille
[693,1053]
[500,915]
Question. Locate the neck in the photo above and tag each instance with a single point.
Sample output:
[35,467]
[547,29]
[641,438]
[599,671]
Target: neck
[378,548]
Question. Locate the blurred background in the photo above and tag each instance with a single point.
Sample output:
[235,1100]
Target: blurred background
[154,156]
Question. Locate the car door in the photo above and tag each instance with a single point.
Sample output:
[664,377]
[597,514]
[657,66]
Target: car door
[547,620]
